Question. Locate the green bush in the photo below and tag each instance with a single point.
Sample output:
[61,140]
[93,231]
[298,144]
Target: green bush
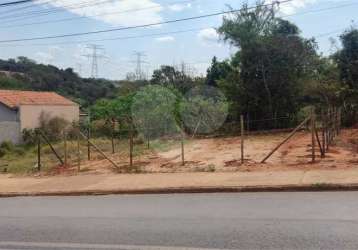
[7,145]
[29,136]
[2,152]
[53,127]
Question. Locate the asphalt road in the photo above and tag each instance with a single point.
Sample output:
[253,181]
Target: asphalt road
[182,221]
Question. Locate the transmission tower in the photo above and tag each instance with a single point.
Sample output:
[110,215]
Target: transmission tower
[97,53]
[139,61]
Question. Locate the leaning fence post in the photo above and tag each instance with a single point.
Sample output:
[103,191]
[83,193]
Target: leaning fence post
[242,138]
[313,128]
[38,153]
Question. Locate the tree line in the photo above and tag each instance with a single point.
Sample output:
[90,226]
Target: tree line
[276,72]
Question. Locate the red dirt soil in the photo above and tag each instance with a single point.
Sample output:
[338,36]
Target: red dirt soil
[223,155]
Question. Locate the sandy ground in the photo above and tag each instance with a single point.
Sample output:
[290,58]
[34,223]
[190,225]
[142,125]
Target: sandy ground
[223,155]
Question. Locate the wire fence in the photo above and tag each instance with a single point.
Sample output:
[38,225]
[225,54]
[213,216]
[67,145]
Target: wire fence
[128,149]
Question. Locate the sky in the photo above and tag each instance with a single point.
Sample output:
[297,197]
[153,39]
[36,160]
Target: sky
[192,42]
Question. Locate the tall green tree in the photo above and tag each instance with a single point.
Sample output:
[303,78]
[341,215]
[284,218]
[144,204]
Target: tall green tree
[272,61]
[347,60]
[173,78]
[216,71]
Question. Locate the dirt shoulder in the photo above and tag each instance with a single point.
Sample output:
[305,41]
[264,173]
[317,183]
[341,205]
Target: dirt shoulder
[177,182]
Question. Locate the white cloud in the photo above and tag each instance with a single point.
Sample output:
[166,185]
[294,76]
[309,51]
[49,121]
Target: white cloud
[149,13]
[79,52]
[50,55]
[44,57]
[208,35]
[165,39]
[291,7]
[179,7]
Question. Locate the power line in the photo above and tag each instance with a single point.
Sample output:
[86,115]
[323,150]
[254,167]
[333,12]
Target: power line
[143,36]
[26,7]
[97,15]
[15,3]
[136,37]
[37,13]
[150,7]
[108,39]
[138,26]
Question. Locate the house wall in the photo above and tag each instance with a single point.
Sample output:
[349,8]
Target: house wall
[10,131]
[30,114]
[9,125]
[7,114]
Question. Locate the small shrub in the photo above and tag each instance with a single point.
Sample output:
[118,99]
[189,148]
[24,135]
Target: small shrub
[7,145]
[20,151]
[53,127]
[29,137]
[2,152]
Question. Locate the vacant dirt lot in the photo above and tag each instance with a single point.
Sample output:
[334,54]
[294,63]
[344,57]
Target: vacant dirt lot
[223,155]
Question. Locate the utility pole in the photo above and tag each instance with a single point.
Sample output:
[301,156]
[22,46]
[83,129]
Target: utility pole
[139,61]
[97,53]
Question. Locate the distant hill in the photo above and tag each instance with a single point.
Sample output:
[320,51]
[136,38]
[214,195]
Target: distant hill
[25,74]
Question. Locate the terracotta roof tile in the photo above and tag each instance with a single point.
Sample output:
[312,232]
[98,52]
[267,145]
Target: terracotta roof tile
[14,98]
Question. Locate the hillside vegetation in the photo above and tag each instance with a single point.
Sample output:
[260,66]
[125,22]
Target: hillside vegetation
[25,74]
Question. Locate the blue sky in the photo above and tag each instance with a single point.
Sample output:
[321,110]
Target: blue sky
[195,47]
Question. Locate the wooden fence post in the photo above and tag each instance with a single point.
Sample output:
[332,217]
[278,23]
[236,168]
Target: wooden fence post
[313,128]
[65,147]
[328,132]
[78,153]
[38,153]
[334,118]
[319,144]
[331,131]
[88,143]
[131,146]
[148,133]
[112,135]
[323,133]
[339,119]
[182,148]
[248,122]
[242,138]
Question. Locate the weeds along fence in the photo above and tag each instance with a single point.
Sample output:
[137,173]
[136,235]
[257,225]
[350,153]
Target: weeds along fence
[124,148]
[120,149]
